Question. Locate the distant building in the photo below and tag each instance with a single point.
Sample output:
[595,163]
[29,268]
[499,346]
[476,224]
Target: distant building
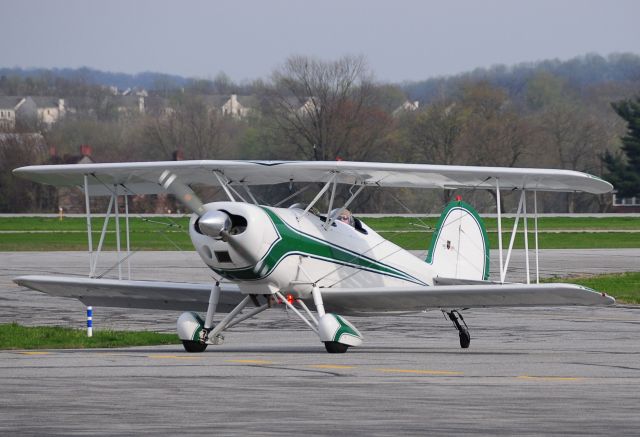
[70,199]
[308,107]
[49,109]
[237,107]
[625,204]
[407,106]
[30,112]
[8,113]
[130,104]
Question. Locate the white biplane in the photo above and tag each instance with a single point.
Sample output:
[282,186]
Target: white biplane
[311,261]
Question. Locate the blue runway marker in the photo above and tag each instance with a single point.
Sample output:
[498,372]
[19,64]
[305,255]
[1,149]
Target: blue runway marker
[89,321]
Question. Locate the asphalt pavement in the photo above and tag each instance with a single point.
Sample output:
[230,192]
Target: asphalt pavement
[528,371]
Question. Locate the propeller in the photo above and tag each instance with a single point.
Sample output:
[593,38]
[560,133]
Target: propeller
[215,224]
[246,254]
[182,192]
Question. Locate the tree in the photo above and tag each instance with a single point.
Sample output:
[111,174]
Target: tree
[190,126]
[327,110]
[434,135]
[20,195]
[624,168]
[573,139]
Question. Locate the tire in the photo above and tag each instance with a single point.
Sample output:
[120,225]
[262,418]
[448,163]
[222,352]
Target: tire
[465,339]
[333,347]
[193,346]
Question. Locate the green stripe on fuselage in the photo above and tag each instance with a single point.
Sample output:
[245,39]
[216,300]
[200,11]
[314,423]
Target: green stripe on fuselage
[293,242]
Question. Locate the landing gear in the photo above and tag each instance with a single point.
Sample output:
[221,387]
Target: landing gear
[463,331]
[193,346]
[333,347]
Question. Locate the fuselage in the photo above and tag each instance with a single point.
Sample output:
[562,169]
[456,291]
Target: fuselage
[293,250]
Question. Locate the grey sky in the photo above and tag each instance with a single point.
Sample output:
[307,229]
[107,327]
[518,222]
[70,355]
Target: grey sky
[248,38]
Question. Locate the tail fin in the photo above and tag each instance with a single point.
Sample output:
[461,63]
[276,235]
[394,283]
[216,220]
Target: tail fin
[459,246]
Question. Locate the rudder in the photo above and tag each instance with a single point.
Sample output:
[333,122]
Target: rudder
[459,246]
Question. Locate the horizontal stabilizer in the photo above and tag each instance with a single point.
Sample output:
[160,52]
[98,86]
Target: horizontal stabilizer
[133,294]
[460,296]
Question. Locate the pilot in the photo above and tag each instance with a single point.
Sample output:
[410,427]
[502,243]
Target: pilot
[346,217]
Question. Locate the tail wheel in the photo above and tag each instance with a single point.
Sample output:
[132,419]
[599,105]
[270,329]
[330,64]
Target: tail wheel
[333,347]
[465,339]
[193,346]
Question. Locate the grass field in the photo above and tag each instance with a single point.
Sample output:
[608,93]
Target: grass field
[625,287]
[379,224]
[544,223]
[14,336]
[566,240]
[37,233]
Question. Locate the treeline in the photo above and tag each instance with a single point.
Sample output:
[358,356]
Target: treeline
[91,76]
[580,73]
[536,116]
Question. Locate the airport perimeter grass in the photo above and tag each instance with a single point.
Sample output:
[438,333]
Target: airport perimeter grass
[154,224]
[625,287]
[168,233]
[15,336]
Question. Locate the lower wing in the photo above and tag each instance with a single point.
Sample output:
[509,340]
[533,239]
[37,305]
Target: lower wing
[460,296]
[133,294]
[195,296]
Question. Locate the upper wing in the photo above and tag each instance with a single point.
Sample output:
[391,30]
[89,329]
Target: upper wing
[142,177]
[460,296]
[133,294]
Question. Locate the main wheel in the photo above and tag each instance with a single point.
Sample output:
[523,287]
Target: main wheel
[333,347]
[465,338]
[193,346]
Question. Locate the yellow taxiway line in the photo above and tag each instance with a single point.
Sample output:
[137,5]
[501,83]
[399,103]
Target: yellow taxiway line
[550,378]
[250,361]
[420,372]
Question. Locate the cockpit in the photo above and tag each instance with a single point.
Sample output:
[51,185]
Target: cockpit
[345,216]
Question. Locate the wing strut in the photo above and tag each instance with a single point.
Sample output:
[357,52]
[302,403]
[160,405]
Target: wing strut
[521,211]
[320,193]
[112,209]
[87,209]
[347,203]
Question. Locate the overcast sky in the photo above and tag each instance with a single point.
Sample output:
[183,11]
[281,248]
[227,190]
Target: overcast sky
[247,39]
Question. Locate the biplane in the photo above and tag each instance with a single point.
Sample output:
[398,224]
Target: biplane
[322,268]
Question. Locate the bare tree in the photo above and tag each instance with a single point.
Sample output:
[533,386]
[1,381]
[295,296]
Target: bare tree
[575,138]
[20,195]
[190,126]
[327,110]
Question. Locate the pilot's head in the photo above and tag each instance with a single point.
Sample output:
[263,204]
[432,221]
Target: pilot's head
[345,217]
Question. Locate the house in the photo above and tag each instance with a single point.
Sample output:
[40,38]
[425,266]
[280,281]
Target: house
[407,106]
[8,113]
[129,104]
[49,109]
[70,199]
[238,107]
[29,112]
[625,204]
[308,107]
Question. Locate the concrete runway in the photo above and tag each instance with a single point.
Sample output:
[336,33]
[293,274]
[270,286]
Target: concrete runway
[527,372]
